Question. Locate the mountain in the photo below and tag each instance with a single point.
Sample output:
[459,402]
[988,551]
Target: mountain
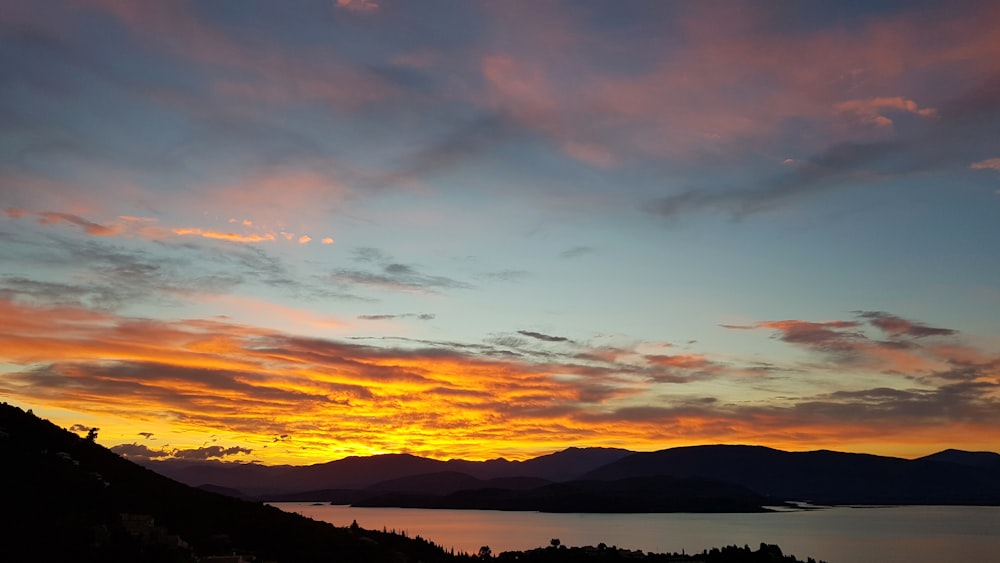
[949,477]
[452,481]
[571,463]
[353,473]
[563,465]
[641,494]
[822,477]
[988,460]
[68,499]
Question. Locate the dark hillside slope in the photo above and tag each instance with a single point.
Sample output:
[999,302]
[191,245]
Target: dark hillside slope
[64,497]
[823,477]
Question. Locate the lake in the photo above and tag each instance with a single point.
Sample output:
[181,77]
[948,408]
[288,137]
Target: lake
[910,534]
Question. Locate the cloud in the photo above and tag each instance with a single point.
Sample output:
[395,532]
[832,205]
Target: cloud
[988,164]
[576,252]
[82,429]
[543,337]
[831,336]
[259,383]
[896,326]
[209,452]
[418,316]
[392,275]
[506,276]
[361,6]
[824,171]
[900,346]
[227,236]
[109,276]
[149,228]
[52,218]
[872,111]
[139,452]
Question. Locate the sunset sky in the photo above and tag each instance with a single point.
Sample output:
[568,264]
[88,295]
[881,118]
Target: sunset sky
[288,232]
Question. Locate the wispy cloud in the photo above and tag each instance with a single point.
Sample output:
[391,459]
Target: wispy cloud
[358,5]
[260,383]
[543,337]
[987,164]
[391,275]
[576,252]
[386,317]
[873,111]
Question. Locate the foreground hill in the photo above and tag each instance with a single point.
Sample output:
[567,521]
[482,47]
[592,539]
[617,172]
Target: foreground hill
[67,498]
[822,477]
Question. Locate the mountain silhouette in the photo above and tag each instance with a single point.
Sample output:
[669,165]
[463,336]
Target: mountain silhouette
[641,494]
[822,477]
[988,460]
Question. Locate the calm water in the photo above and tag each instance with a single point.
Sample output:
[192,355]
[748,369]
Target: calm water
[911,534]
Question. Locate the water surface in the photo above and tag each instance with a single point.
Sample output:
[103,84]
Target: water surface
[910,534]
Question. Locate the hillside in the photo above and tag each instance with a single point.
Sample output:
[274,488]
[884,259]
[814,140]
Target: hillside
[68,498]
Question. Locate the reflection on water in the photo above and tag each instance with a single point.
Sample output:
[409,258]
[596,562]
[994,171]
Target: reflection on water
[911,534]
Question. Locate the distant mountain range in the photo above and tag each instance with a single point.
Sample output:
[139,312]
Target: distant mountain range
[749,476]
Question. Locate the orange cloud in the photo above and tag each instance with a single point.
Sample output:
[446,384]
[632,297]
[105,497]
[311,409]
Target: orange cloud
[188,378]
[218,235]
[52,218]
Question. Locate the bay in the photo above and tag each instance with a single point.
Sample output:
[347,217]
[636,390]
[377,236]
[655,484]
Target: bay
[911,534]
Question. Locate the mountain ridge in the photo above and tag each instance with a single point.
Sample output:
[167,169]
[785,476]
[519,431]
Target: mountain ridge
[821,476]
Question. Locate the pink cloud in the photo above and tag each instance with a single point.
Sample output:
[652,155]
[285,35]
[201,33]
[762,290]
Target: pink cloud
[91,228]
[871,111]
[272,73]
[737,82]
[988,164]
[358,5]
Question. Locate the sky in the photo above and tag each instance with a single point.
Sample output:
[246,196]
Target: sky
[290,232]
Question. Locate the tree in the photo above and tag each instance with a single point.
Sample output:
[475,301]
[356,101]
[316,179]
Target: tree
[485,553]
[554,542]
[92,434]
